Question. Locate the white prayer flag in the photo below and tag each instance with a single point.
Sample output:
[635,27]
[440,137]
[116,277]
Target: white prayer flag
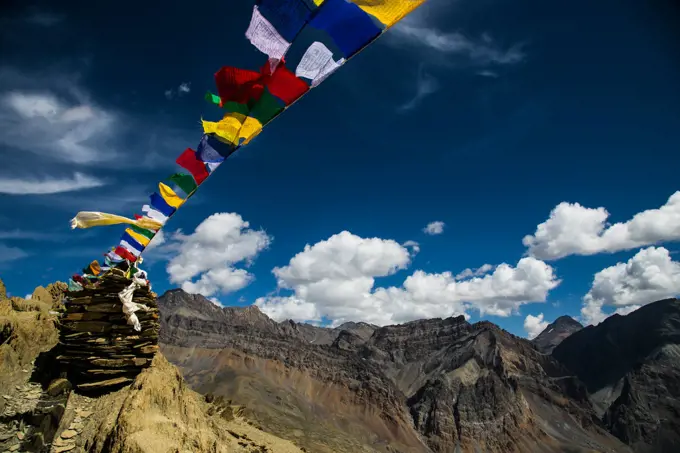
[154,214]
[313,61]
[265,37]
[327,70]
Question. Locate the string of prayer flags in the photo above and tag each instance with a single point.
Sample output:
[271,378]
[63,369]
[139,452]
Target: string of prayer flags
[251,99]
[350,28]
[88,219]
[193,165]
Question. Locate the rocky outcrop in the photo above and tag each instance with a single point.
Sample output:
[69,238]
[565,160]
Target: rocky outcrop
[556,333]
[98,348]
[156,413]
[631,366]
[430,385]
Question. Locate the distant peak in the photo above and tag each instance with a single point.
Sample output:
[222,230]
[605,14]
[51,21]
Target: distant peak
[568,320]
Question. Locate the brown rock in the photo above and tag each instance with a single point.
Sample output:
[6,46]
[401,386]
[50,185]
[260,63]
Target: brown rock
[68,434]
[106,383]
[58,386]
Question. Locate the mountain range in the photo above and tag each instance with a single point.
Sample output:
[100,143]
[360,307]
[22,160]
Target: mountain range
[437,385]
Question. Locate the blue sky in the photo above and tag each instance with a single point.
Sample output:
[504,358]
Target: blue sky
[482,115]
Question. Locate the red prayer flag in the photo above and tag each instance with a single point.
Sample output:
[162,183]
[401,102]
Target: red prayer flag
[283,83]
[124,253]
[238,85]
[193,165]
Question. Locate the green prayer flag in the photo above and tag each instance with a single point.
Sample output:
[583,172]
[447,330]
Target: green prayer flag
[144,232]
[266,108]
[235,107]
[184,182]
[213,98]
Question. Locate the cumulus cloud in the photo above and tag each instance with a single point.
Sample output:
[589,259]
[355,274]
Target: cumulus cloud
[534,325]
[413,246]
[483,269]
[573,229]
[335,279]
[41,122]
[47,185]
[157,241]
[210,253]
[648,276]
[433,228]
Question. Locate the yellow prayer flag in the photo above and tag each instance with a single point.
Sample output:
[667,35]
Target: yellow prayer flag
[318,2]
[388,12]
[87,219]
[234,127]
[170,196]
[138,237]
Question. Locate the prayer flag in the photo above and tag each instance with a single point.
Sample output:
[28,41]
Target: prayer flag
[169,195]
[349,26]
[190,162]
[160,205]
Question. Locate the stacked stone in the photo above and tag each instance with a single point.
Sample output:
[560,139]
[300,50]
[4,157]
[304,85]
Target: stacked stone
[98,349]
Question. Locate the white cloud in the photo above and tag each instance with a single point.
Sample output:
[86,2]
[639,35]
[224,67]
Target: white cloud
[648,276]
[415,30]
[413,246]
[425,86]
[335,279]
[43,186]
[8,254]
[210,253]
[483,269]
[225,280]
[182,89]
[534,325]
[573,229]
[158,240]
[433,228]
[215,301]
[40,122]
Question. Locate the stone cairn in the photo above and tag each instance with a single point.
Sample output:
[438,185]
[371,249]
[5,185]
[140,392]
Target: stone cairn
[98,350]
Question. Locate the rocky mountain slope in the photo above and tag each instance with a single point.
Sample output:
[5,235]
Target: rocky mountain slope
[157,413]
[555,333]
[439,385]
[631,366]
